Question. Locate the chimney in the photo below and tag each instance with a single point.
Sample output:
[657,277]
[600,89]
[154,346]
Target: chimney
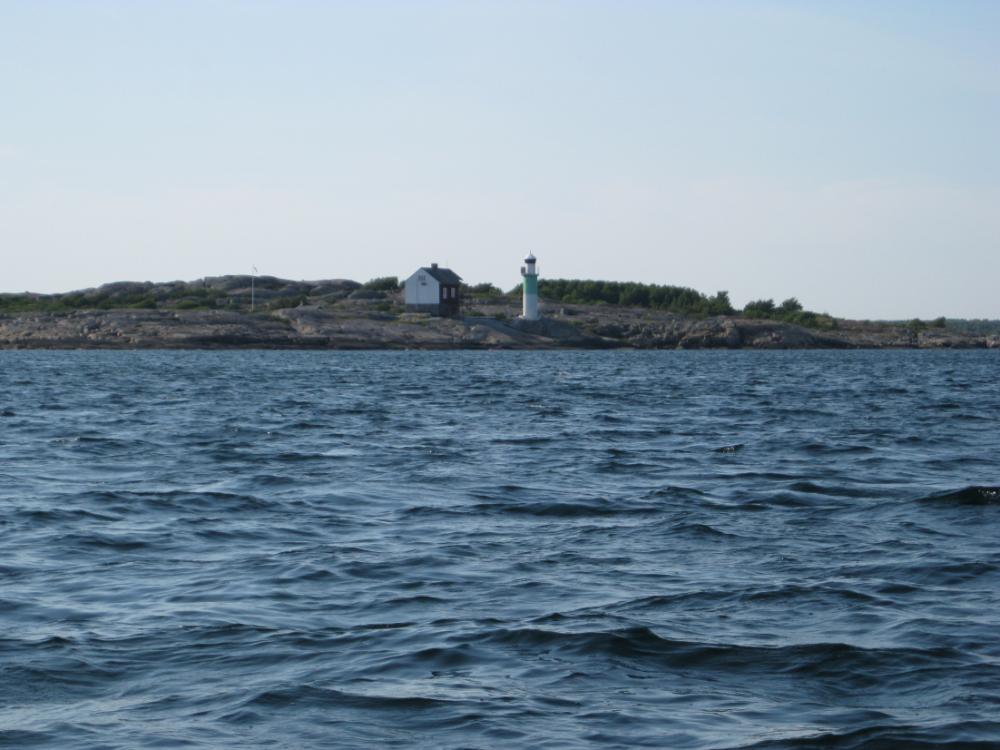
[434,265]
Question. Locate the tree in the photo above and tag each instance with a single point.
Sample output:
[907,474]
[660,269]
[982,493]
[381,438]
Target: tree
[761,308]
[720,304]
[790,305]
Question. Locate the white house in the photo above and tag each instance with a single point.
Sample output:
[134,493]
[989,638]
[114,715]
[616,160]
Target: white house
[434,290]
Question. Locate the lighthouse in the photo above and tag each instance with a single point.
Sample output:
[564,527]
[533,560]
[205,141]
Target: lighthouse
[530,275]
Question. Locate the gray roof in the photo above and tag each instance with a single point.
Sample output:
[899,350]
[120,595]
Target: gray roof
[443,275]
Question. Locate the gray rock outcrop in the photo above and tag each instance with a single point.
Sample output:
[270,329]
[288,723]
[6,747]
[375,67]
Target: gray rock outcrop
[214,312]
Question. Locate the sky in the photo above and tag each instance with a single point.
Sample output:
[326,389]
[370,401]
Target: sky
[845,153]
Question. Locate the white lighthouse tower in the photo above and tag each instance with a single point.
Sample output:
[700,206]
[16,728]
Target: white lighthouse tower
[530,274]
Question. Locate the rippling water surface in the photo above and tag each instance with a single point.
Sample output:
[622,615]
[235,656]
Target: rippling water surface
[499,549]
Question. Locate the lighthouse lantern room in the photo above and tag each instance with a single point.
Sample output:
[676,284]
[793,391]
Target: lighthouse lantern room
[530,274]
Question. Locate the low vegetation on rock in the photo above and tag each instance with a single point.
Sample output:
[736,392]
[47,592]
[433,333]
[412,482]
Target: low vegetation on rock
[383,284]
[215,312]
[789,311]
[230,293]
[676,299]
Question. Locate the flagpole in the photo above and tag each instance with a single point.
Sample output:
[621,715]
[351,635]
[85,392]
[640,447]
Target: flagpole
[253,276]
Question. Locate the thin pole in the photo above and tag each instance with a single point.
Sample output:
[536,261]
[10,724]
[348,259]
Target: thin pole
[253,277]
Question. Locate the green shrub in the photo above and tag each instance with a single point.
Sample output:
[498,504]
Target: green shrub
[789,311]
[485,289]
[383,284]
[668,298]
[790,306]
[761,308]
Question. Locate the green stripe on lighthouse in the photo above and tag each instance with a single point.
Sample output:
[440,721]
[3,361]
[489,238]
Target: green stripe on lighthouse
[531,285]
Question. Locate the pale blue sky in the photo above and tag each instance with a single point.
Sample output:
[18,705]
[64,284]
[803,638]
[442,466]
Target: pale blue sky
[843,152]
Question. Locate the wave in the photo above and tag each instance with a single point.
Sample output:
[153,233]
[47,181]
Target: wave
[23,738]
[13,571]
[144,500]
[626,467]
[814,488]
[821,592]
[309,695]
[658,602]
[699,530]
[112,542]
[405,601]
[841,663]
[59,515]
[789,500]
[566,509]
[538,440]
[965,735]
[970,495]
[831,448]
[56,679]
[674,492]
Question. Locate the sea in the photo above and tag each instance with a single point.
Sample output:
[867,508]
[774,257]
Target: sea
[499,549]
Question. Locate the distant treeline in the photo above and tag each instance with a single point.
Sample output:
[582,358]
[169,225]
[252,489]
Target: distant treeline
[675,299]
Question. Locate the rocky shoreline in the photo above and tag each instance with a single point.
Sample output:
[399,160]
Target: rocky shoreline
[489,327]
[237,312]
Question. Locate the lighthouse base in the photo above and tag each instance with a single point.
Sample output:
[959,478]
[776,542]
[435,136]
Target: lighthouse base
[530,309]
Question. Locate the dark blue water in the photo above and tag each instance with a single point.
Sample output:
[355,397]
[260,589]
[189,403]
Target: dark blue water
[493,550]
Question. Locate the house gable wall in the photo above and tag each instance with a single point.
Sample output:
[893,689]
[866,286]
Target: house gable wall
[422,289]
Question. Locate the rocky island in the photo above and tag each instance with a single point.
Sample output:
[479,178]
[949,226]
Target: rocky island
[223,313]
